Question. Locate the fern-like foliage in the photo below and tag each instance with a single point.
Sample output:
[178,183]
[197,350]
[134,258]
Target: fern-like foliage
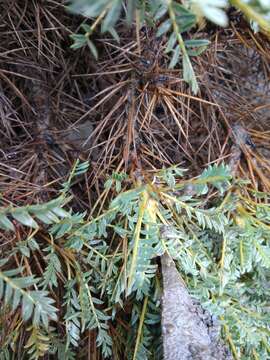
[35,304]
[107,264]
[38,343]
[145,328]
[92,317]
[52,269]
[47,213]
[72,315]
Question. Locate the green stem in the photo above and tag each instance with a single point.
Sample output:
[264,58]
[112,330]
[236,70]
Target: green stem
[137,232]
[188,72]
[139,335]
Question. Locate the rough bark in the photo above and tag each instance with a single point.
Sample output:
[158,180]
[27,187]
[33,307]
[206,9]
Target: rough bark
[189,332]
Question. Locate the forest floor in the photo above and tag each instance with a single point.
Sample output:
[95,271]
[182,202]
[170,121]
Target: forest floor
[58,104]
[125,111]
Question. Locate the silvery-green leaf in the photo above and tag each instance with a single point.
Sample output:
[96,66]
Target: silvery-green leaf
[24,218]
[189,75]
[112,16]
[5,223]
[92,48]
[164,27]
[175,57]
[216,15]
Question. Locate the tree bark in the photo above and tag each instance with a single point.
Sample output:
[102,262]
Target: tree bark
[189,332]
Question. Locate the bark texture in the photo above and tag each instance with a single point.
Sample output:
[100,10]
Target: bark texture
[189,332]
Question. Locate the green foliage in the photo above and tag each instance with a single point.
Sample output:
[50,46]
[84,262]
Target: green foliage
[212,10]
[38,344]
[217,176]
[47,213]
[115,180]
[35,304]
[52,269]
[79,168]
[105,263]
[92,317]
[72,315]
[145,327]
[59,349]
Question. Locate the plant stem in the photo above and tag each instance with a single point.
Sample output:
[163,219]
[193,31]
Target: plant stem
[142,317]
